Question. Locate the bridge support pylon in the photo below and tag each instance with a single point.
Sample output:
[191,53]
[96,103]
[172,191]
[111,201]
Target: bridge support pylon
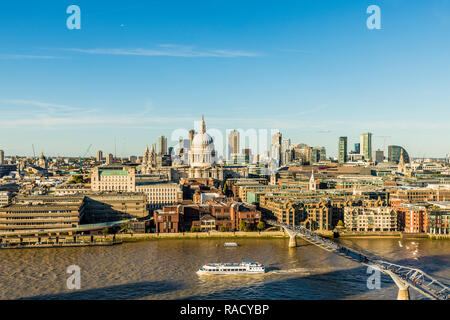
[292,241]
[403,294]
[403,287]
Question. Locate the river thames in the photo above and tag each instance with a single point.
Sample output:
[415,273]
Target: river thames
[166,269]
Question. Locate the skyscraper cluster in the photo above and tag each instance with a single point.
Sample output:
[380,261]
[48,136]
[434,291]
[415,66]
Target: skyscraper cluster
[363,151]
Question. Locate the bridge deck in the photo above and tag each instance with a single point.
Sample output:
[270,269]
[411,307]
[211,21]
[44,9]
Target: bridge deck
[409,277]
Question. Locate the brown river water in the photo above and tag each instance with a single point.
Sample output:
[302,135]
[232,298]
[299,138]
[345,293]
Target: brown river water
[166,269]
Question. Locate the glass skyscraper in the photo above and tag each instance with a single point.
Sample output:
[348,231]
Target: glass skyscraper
[366,145]
[394,153]
[342,156]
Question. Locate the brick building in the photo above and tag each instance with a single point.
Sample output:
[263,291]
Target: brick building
[412,218]
[212,215]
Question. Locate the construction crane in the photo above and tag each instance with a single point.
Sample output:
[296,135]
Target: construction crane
[84,155]
[384,144]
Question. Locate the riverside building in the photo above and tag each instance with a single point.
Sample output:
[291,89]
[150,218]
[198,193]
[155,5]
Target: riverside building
[34,217]
[412,218]
[213,215]
[370,219]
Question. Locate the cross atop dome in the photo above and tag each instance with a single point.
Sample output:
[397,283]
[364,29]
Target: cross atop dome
[203,128]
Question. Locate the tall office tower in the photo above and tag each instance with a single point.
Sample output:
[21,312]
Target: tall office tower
[110,159]
[323,153]
[285,144]
[233,143]
[366,145]
[315,155]
[247,152]
[2,157]
[302,153]
[99,156]
[276,148]
[378,156]
[318,154]
[342,156]
[394,153]
[162,143]
[357,148]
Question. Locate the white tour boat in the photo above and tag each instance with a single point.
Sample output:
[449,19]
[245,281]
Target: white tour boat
[230,244]
[245,267]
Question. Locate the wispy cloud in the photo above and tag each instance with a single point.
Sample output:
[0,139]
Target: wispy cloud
[118,121]
[26,56]
[49,107]
[168,50]
[20,113]
[46,115]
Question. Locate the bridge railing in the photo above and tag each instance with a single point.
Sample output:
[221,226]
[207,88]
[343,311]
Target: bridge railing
[418,279]
[415,278]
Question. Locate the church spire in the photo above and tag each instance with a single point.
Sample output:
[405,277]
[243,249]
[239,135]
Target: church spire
[401,163]
[312,182]
[203,129]
[402,159]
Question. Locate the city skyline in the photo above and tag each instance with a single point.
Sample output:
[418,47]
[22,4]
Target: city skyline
[225,158]
[312,70]
[118,145]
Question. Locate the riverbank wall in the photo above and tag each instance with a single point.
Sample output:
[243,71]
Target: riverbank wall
[229,236]
[371,235]
[58,245]
[197,235]
[392,235]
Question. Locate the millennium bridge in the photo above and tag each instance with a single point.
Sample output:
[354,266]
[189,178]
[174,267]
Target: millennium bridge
[404,277]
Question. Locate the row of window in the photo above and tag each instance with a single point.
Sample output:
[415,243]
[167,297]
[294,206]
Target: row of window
[218,270]
[34,211]
[33,218]
[37,223]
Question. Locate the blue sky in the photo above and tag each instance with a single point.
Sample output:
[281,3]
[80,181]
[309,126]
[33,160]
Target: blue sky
[140,69]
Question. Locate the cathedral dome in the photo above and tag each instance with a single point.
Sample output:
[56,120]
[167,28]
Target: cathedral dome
[202,140]
[202,151]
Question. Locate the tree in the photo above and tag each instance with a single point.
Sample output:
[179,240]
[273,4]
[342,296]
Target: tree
[261,226]
[105,231]
[222,229]
[195,229]
[77,179]
[125,228]
[243,225]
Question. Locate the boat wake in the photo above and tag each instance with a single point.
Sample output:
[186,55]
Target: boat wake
[290,271]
